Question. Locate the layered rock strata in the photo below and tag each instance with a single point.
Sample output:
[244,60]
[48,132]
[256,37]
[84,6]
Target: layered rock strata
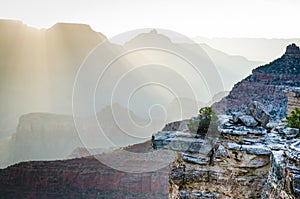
[293,95]
[242,162]
[85,178]
[284,178]
[266,84]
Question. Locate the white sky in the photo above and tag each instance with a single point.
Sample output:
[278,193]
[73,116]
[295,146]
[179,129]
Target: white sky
[212,18]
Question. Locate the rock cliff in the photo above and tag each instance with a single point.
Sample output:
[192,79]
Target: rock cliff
[293,95]
[266,84]
[284,177]
[239,162]
[247,157]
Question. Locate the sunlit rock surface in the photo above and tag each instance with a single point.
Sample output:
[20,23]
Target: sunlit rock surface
[243,162]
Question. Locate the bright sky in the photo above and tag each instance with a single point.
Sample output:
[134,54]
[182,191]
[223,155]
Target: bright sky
[212,18]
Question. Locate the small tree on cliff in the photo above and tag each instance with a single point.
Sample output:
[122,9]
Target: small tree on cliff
[293,120]
[205,121]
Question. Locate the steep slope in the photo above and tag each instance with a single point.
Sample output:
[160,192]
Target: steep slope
[266,85]
[232,68]
[83,178]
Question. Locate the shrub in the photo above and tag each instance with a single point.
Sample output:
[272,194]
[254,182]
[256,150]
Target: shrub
[193,124]
[293,120]
[206,119]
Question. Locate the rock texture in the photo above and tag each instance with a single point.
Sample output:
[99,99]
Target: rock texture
[256,116]
[248,120]
[258,112]
[293,95]
[284,178]
[83,178]
[266,84]
[242,162]
[293,50]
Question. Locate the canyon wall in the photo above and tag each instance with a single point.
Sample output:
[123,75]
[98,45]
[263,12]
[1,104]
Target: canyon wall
[247,157]
[266,84]
[293,95]
[84,178]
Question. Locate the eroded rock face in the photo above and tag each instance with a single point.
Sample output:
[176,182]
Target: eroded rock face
[243,162]
[293,95]
[284,178]
[266,84]
[86,178]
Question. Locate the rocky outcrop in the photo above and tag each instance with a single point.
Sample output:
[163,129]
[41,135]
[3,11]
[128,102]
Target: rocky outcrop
[250,158]
[258,112]
[216,168]
[266,84]
[248,120]
[293,95]
[256,116]
[242,162]
[284,177]
[293,50]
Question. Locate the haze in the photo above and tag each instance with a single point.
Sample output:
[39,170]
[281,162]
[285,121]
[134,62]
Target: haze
[231,18]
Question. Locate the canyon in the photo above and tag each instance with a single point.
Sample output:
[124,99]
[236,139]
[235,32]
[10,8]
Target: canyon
[38,70]
[266,84]
[253,154]
[237,161]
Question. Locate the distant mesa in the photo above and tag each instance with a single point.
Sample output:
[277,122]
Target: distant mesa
[293,50]
[71,25]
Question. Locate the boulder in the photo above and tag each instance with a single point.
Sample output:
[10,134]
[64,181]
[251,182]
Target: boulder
[248,120]
[235,116]
[289,133]
[258,112]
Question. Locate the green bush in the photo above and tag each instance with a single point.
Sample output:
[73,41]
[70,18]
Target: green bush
[193,124]
[293,120]
[206,119]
